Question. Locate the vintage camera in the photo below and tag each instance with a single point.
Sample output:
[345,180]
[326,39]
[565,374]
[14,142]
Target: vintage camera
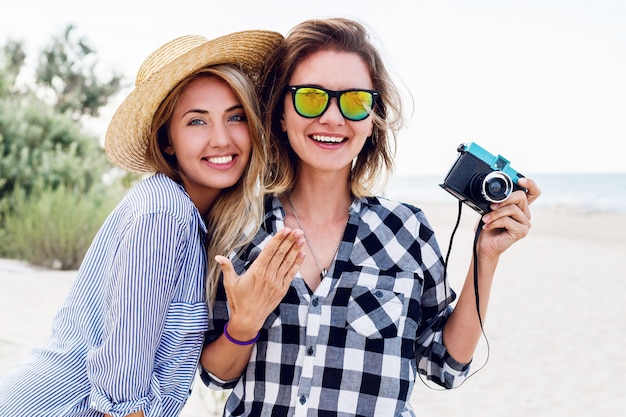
[479,178]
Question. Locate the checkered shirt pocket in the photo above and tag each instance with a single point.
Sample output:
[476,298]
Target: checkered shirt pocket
[374,313]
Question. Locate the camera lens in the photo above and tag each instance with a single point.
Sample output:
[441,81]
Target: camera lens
[496,187]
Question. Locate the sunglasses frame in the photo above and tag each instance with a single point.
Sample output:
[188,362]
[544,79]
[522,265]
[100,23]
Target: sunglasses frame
[336,94]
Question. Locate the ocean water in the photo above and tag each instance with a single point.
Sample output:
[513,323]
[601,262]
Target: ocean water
[586,192]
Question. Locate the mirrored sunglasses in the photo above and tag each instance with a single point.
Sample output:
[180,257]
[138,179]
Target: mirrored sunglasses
[355,104]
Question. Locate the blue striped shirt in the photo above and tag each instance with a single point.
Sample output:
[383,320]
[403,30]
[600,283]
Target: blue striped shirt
[129,335]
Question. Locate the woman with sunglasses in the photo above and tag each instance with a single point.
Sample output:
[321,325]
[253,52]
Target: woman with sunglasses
[370,306]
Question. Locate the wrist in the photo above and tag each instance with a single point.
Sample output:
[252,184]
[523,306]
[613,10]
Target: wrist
[237,340]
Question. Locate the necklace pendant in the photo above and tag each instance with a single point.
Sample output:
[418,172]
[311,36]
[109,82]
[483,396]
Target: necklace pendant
[323,271]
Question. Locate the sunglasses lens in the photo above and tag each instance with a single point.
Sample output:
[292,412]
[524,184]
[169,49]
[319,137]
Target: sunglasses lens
[310,102]
[356,105]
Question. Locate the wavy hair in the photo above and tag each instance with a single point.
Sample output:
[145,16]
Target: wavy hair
[236,214]
[374,165]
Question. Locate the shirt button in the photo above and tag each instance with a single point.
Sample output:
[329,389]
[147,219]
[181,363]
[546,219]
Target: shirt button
[302,399]
[309,351]
[314,302]
[378,294]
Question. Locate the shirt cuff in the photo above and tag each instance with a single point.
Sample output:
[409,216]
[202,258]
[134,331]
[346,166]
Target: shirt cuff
[449,372]
[151,405]
[216,383]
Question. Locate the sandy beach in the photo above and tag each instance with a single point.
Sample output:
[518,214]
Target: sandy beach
[556,325]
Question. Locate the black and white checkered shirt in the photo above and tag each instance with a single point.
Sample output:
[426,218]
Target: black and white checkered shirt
[353,347]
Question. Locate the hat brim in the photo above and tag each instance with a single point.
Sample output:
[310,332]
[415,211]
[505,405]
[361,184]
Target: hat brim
[127,136]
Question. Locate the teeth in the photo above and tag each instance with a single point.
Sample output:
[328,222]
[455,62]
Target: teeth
[220,159]
[328,139]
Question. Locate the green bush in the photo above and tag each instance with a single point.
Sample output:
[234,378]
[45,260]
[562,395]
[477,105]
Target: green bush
[54,228]
[52,200]
[41,148]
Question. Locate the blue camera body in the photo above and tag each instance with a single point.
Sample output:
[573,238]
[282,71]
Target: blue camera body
[478,178]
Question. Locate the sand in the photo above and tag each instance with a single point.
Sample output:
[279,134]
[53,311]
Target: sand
[556,325]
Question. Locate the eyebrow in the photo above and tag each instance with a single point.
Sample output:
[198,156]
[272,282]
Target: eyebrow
[202,111]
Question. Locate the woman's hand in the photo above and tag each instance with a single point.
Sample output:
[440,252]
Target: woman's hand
[508,221]
[256,293]
[532,190]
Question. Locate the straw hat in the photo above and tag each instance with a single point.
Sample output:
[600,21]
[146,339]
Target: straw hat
[126,139]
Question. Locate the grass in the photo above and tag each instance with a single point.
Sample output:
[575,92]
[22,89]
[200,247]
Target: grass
[54,228]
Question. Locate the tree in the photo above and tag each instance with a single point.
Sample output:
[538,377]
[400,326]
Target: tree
[52,195]
[42,148]
[67,68]
[43,145]
[13,57]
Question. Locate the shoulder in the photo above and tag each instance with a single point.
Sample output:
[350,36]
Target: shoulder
[383,215]
[157,199]
[383,208]
[160,194]
[156,189]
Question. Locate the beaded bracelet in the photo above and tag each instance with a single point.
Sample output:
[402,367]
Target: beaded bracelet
[237,342]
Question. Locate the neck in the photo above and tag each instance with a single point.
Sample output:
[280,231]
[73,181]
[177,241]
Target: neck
[321,199]
[322,232]
[202,198]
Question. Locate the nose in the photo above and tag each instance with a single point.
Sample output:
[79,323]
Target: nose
[218,135]
[333,115]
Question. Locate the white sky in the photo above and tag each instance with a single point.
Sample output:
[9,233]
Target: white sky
[541,82]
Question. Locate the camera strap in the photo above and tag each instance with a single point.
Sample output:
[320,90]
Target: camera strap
[475,255]
[476,292]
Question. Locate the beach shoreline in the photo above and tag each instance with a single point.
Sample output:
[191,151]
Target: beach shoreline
[555,333]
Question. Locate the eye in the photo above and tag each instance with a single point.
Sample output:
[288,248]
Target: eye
[197,122]
[238,117]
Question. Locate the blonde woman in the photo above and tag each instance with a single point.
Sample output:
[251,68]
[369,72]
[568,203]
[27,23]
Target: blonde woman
[126,342]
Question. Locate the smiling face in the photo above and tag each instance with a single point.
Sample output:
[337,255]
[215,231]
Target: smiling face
[210,138]
[328,142]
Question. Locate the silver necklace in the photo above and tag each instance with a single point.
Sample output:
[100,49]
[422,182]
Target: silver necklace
[323,271]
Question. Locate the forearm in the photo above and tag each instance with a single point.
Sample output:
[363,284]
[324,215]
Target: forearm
[226,359]
[504,225]
[463,329]
[251,298]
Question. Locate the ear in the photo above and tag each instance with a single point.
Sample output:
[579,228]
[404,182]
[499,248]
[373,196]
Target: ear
[283,123]
[169,149]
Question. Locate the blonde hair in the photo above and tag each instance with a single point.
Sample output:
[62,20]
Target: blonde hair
[236,214]
[373,166]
